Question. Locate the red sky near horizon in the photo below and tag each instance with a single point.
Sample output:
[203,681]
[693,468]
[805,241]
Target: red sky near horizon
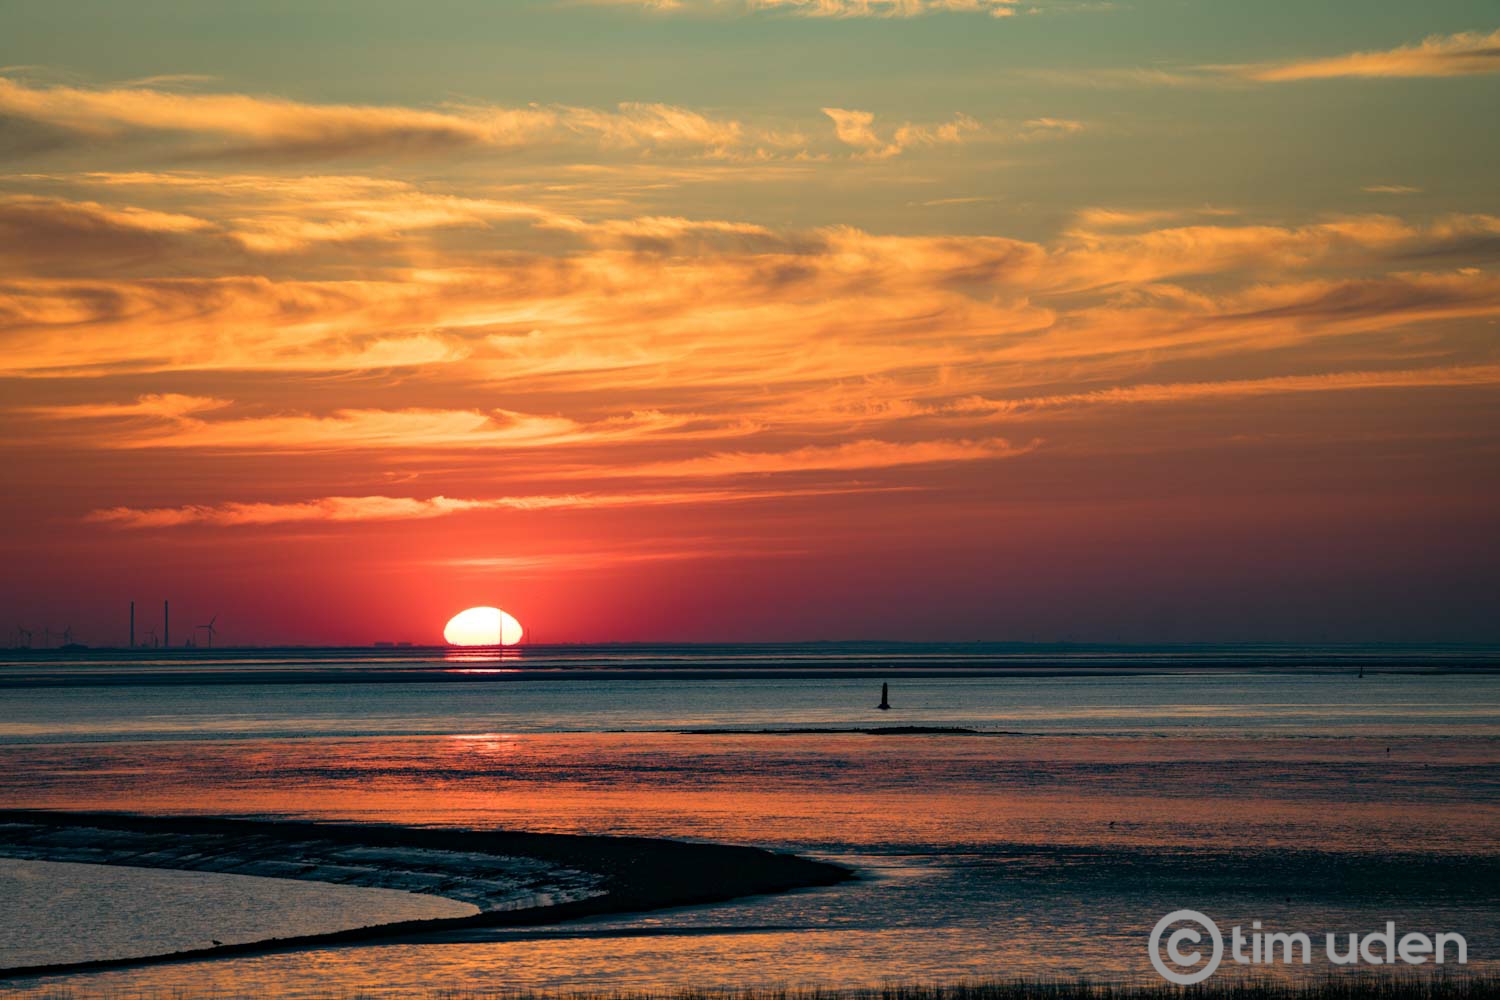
[752,321]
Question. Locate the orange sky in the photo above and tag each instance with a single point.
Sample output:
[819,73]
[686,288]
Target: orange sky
[1077,343]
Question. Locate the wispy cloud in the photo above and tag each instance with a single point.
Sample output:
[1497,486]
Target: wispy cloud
[1100,217]
[860,131]
[338,509]
[857,129]
[817,8]
[945,202]
[53,235]
[161,80]
[550,563]
[1037,128]
[849,456]
[156,406]
[1464,54]
[172,421]
[248,125]
[1187,392]
[1177,252]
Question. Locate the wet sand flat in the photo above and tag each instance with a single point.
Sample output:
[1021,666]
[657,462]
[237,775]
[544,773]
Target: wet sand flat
[504,878]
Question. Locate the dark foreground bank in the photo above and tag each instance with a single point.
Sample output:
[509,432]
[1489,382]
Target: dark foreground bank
[515,879]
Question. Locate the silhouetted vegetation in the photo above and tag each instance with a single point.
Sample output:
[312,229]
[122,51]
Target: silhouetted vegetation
[1352,986]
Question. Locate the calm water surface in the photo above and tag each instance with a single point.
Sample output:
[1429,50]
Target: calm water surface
[1285,789]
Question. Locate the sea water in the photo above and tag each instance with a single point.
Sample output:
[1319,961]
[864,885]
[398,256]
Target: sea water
[1096,797]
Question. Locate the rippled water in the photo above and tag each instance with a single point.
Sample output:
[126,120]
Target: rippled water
[1311,801]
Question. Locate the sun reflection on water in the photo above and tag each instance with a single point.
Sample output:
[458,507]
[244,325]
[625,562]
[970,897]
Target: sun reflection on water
[484,655]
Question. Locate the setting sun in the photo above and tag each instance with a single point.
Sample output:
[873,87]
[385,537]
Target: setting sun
[483,627]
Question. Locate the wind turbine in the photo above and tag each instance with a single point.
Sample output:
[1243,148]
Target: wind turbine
[67,635]
[46,636]
[209,628]
[152,633]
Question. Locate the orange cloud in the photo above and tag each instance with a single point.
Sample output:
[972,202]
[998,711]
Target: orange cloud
[675,235]
[268,214]
[848,456]
[657,300]
[40,235]
[1464,54]
[170,405]
[691,348]
[180,426]
[857,129]
[247,323]
[548,564]
[1088,258]
[1186,392]
[384,508]
[273,126]
[1097,218]
[1168,321]
[649,309]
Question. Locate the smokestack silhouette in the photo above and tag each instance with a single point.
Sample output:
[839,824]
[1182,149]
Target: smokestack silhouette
[132,624]
[166,623]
